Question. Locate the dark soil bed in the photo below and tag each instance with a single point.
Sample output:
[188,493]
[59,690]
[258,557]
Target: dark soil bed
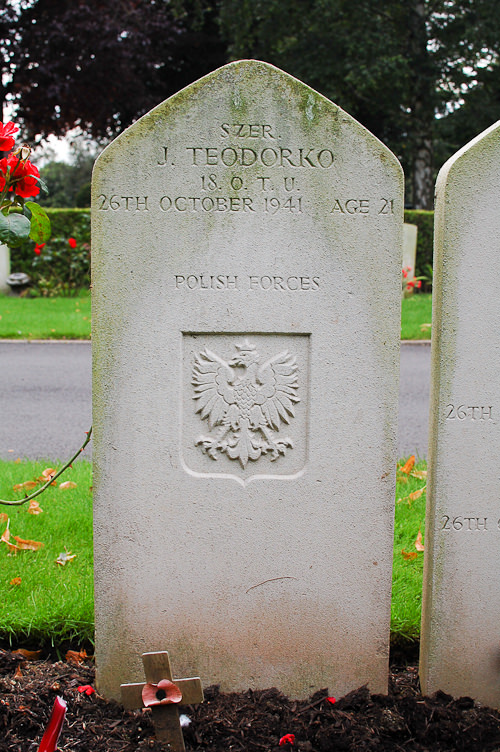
[250,721]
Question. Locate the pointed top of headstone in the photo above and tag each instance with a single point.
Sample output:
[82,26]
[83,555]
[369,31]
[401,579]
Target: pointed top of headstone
[248,86]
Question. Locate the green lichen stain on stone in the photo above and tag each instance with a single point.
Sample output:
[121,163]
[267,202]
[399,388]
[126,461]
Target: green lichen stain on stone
[310,107]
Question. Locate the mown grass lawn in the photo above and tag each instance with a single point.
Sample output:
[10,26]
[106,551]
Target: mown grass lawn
[43,602]
[416,313]
[41,599]
[45,318]
[70,318]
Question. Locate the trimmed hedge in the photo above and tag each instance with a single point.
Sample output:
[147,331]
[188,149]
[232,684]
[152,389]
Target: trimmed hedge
[60,270]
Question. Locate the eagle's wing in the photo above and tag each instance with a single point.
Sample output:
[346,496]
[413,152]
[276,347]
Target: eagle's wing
[212,381]
[277,394]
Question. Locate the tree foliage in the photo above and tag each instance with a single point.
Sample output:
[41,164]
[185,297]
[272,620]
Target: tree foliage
[67,184]
[423,75]
[101,65]
[394,65]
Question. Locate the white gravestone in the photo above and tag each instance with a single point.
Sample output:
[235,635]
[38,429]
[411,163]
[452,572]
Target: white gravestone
[4,269]
[460,649]
[410,233]
[246,249]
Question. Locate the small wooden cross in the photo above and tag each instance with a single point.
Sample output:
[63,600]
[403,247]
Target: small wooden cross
[165,717]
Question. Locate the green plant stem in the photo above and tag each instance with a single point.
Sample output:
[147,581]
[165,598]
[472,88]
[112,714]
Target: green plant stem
[19,502]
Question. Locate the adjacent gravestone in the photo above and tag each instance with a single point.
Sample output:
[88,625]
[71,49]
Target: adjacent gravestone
[410,233]
[4,268]
[246,249]
[460,648]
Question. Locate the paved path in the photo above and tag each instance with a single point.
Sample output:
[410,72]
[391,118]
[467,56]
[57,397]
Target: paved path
[46,399]
[414,399]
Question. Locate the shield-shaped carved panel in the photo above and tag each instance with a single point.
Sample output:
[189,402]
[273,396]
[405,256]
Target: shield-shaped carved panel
[245,404]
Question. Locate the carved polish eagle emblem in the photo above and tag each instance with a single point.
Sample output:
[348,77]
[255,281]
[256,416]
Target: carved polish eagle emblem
[245,401]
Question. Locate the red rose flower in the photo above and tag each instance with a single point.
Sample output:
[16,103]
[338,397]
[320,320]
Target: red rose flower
[72,243]
[3,171]
[22,177]
[6,136]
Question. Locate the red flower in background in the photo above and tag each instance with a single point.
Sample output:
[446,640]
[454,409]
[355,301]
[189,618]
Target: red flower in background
[287,739]
[20,179]
[72,243]
[23,176]
[38,248]
[7,136]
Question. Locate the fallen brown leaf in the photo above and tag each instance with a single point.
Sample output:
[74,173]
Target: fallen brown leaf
[34,507]
[418,543]
[15,581]
[416,494]
[6,539]
[28,485]
[67,484]
[28,545]
[408,466]
[420,474]
[30,655]
[409,555]
[73,656]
